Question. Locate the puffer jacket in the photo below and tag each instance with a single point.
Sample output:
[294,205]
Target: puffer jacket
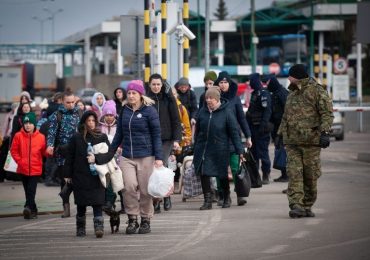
[27,151]
[139,133]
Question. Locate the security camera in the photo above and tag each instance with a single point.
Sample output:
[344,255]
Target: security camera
[187,32]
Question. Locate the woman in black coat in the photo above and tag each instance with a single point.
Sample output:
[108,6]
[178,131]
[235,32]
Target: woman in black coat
[87,188]
[216,125]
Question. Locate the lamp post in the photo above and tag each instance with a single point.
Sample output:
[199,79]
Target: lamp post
[41,21]
[1,27]
[52,15]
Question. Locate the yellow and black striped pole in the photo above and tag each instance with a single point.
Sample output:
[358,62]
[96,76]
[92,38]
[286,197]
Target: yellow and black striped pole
[324,80]
[164,39]
[185,17]
[146,41]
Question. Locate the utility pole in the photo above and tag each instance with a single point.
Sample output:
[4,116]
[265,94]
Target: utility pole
[41,21]
[52,15]
[253,39]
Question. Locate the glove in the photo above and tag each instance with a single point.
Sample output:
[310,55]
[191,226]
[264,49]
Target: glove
[324,140]
[90,158]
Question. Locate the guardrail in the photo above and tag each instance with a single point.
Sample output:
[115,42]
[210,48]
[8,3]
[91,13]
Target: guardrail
[354,109]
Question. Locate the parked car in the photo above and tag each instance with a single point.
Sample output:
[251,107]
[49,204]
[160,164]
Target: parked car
[337,129]
[86,95]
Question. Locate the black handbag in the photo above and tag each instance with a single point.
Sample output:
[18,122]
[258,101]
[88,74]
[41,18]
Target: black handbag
[251,165]
[66,191]
[242,181]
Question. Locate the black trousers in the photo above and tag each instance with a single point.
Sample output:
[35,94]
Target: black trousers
[97,210]
[30,185]
[206,184]
[59,173]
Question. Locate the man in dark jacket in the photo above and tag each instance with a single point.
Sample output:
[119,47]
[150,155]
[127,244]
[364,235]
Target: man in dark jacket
[187,97]
[169,118]
[228,91]
[279,95]
[258,116]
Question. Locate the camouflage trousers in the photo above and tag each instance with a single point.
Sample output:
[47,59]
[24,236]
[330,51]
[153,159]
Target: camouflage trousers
[303,168]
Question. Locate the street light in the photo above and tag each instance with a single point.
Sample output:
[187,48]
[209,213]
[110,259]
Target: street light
[52,14]
[41,21]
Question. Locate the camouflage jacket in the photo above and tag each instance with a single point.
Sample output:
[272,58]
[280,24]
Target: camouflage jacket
[308,112]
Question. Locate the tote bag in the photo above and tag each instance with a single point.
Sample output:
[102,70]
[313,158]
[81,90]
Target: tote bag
[10,165]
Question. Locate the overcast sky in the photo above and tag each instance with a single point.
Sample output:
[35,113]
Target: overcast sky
[17,25]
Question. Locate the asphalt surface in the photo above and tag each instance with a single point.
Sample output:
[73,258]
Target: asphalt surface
[259,230]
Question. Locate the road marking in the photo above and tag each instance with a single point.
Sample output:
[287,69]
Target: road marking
[301,234]
[313,221]
[276,249]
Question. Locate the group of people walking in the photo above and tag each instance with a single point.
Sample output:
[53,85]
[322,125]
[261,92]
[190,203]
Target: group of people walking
[142,127]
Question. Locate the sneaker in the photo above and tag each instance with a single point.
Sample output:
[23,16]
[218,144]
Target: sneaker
[297,213]
[309,213]
[132,226]
[27,213]
[144,226]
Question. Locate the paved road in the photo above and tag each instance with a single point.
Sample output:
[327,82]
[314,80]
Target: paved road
[260,230]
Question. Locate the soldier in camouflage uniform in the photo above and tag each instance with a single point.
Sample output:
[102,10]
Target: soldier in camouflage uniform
[305,129]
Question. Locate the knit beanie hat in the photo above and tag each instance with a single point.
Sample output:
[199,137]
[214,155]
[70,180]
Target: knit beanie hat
[183,82]
[213,92]
[109,108]
[223,76]
[30,117]
[210,75]
[136,85]
[298,71]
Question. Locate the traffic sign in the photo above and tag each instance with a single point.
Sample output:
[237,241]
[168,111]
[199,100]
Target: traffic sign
[274,68]
[340,66]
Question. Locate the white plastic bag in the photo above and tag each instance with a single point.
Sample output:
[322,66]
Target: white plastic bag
[161,182]
[10,165]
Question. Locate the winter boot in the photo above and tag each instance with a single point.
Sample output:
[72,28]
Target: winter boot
[220,198]
[207,204]
[99,226]
[26,212]
[157,206]
[144,226]
[66,210]
[80,226]
[214,195]
[167,204]
[297,212]
[265,178]
[33,213]
[227,200]
[132,225]
[241,201]
[122,211]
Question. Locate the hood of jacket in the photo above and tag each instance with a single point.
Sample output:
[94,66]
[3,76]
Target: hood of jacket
[231,93]
[255,82]
[274,84]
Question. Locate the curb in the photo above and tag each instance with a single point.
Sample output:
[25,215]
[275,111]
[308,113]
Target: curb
[9,215]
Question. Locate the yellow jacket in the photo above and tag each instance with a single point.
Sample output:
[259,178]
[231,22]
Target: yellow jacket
[185,123]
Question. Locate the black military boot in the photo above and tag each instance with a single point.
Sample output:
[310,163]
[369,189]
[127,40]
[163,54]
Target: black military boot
[132,225]
[309,213]
[265,178]
[297,212]
[167,204]
[99,226]
[80,226]
[144,226]
[227,200]
[33,213]
[220,198]
[66,210]
[207,204]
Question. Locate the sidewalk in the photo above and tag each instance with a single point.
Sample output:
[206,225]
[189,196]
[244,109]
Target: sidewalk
[12,199]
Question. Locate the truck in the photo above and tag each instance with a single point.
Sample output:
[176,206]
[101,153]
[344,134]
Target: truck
[32,77]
